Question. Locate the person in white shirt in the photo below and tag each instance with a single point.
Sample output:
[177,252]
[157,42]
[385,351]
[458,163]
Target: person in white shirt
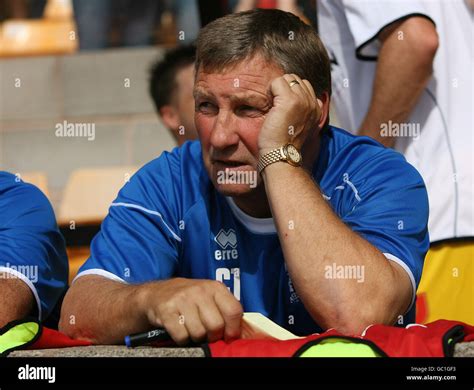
[402,74]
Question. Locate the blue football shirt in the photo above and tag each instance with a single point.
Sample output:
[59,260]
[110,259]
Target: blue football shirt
[31,246]
[169,221]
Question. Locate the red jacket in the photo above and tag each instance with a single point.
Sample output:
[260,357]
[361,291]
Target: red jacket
[436,339]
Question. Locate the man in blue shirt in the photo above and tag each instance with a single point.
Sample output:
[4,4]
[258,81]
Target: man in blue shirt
[330,233]
[33,261]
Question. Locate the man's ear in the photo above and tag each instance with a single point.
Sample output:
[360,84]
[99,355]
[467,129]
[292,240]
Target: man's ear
[170,118]
[323,102]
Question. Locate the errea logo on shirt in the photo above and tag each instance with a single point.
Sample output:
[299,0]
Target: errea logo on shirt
[227,240]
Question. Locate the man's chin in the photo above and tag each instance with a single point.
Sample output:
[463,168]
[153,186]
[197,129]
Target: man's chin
[234,190]
[234,181]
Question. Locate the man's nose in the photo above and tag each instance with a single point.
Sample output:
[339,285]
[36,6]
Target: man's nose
[224,132]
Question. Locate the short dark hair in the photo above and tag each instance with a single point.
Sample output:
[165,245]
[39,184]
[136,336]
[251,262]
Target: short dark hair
[163,73]
[281,37]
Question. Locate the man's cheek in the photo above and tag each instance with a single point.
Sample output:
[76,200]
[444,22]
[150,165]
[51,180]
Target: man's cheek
[250,135]
[200,125]
[203,127]
[204,133]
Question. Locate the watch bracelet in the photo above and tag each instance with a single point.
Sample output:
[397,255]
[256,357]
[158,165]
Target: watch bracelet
[269,158]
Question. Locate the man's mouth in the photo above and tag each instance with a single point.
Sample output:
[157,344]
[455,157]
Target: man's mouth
[230,164]
[231,172]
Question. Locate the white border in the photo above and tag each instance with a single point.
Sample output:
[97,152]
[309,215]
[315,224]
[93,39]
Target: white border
[28,282]
[410,275]
[255,225]
[100,272]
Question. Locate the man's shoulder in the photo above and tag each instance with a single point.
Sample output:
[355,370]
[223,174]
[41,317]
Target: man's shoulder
[18,198]
[184,160]
[364,157]
[14,189]
[362,147]
[170,176]
[10,182]
[362,174]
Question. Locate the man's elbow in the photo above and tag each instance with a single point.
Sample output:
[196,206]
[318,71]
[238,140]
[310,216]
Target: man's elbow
[427,50]
[76,332]
[354,319]
[68,323]
[65,326]
[416,39]
[424,42]
[352,324]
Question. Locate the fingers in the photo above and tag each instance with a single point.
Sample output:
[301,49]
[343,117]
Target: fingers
[174,325]
[310,89]
[199,310]
[191,319]
[299,88]
[212,320]
[280,87]
[232,312]
[313,94]
[303,87]
[314,98]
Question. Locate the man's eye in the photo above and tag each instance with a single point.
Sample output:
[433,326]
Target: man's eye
[206,106]
[248,110]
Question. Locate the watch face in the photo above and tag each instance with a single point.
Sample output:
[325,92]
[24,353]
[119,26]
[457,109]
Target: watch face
[293,154]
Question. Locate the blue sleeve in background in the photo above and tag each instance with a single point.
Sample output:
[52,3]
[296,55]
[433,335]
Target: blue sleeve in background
[31,245]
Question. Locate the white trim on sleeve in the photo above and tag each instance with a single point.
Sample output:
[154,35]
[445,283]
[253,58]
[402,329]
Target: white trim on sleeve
[100,272]
[28,282]
[138,207]
[410,275]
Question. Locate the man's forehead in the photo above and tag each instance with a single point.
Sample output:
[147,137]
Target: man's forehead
[255,70]
[239,81]
[233,78]
[242,94]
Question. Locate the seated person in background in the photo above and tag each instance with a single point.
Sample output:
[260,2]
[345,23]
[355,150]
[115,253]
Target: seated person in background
[331,233]
[33,260]
[171,88]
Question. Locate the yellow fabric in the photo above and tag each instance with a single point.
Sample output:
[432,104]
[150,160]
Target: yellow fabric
[18,335]
[336,347]
[446,289]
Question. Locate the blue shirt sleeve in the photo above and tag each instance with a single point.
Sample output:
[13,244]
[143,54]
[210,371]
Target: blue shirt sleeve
[139,239]
[391,210]
[30,242]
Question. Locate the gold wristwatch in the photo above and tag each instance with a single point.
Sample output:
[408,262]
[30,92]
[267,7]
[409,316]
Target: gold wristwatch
[287,153]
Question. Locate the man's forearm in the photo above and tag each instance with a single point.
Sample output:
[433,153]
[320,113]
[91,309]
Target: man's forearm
[16,299]
[404,67]
[101,310]
[313,238]
[104,311]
